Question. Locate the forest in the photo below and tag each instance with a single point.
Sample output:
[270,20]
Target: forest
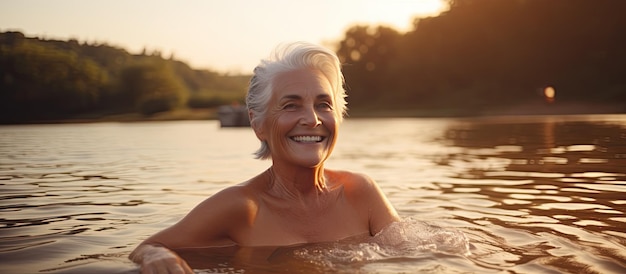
[480,57]
[487,56]
[56,80]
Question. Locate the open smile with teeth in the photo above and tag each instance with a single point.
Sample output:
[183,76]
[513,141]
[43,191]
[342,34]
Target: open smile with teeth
[307,139]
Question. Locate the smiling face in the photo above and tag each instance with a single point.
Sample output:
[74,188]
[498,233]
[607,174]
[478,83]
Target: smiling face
[300,127]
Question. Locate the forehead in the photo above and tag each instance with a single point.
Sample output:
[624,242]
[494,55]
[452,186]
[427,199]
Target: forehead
[301,81]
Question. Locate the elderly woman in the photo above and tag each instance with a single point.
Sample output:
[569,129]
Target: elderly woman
[296,102]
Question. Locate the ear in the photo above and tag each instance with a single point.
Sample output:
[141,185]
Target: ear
[250,116]
[256,126]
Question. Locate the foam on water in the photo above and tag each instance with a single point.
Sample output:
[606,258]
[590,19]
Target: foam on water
[408,238]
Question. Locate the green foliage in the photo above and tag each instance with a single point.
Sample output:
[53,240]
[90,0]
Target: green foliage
[485,54]
[152,86]
[479,55]
[50,79]
[39,80]
[367,52]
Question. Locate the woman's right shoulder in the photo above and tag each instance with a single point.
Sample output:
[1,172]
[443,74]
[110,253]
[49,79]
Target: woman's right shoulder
[233,198]
[243,198]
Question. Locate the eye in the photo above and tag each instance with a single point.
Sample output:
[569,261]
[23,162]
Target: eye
[290,106]
[325,106]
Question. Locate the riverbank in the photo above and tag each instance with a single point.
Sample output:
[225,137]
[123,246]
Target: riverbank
[522,109]
[211,113]
[174,115]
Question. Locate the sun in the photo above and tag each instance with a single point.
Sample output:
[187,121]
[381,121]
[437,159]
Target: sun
[399,14]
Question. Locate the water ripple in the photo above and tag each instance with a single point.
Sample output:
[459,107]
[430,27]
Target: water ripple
[528,194]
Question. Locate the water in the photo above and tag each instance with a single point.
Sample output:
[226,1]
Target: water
[543,194]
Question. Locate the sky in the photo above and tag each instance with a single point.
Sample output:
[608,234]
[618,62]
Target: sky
[228,36]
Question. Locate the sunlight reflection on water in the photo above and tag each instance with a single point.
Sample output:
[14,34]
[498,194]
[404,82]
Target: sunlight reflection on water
[531,194]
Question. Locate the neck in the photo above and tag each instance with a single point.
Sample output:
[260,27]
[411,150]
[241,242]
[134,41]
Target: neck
[297,182]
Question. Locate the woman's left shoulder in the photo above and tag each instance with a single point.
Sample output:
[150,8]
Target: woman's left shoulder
[352,180]
[363,192]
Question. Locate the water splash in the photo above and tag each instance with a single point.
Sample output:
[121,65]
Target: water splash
[410,235]
[408,238]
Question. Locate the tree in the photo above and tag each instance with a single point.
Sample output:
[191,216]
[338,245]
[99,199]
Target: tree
[484,54]
[151,86]
[41,81]
[367,53]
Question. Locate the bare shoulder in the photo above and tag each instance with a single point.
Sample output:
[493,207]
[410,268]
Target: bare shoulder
[213,222]
[234,201]
[359,188]
[358,183]
[365,194]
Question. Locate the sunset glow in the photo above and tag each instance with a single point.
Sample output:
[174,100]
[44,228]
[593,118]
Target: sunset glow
[399,14]
[225,35]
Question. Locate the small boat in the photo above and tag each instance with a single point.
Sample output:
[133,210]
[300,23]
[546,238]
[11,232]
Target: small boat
[233,116]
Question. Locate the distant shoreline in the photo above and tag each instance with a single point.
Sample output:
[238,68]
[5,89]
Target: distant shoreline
[211,114]
[519,110]
[174,115]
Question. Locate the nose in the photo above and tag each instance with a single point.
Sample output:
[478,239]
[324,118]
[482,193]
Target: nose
[310,118]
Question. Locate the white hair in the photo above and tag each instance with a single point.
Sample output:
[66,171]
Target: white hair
[290,57]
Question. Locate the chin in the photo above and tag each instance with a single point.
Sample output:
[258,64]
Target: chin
[310,163]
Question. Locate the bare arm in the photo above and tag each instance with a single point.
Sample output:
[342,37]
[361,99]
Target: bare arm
[211,223]
[369,199]
[380,211]
[158,259]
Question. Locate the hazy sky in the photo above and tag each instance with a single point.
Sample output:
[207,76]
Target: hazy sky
[222,35]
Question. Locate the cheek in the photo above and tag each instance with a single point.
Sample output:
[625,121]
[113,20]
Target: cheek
[277,128]
[284,122]
[330,121]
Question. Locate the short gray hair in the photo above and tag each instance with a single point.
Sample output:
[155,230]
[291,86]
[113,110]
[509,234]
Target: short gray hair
[285,58]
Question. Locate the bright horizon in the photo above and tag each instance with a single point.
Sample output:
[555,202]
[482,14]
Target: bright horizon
[228,36]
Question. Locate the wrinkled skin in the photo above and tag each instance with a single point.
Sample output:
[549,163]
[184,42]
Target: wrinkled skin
[295,201]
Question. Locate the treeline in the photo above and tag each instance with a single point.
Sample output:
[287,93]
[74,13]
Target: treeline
[50,79]
[485,55]
[478,57]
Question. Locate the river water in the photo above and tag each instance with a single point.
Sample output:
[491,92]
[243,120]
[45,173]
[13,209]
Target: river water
[536,194]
